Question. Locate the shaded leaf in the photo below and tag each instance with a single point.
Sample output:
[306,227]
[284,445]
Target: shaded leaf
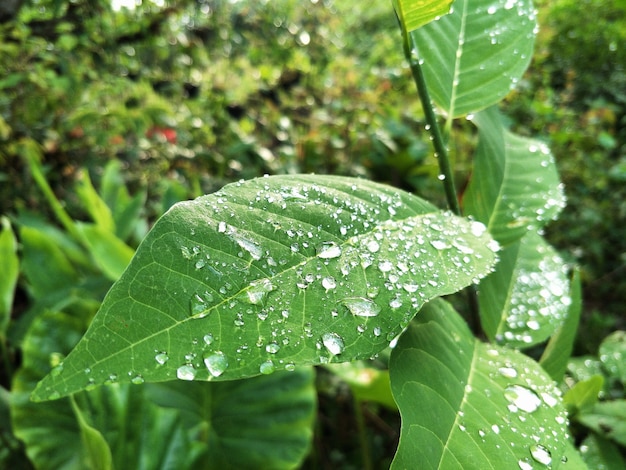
[272,273]
[584,394]
[97,452]
[514,186]
[110,253]
[8,273]
[416,13]
[608,419]
[613,355]
[598,452]
[559,349]
[469,405]
[526,300]
[476,54]
[262,422]
[366,383]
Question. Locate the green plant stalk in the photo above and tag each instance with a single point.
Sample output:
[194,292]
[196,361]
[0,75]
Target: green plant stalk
[441,152]
[366,459]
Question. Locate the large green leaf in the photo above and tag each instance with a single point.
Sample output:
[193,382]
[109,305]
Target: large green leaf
[476,54]
[59,436]
[9,270]
[527,299]
[262,422]
[273,273]
[515,186]
[416,13]
[469,405]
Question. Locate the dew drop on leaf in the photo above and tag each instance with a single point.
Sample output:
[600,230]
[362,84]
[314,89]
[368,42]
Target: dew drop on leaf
[186,372]
[329,283]
[257,291]
[161,358]
[216,363]
[523,398]
[328,250]
[138,379]
[541,454]
[272,348]
[333,342]
[208,339]
[200,304]
[267,367]
[361,307]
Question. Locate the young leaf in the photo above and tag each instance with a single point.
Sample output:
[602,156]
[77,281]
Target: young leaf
[476,54]
[559,349]
[8,273]
[272,273]
[515,186]
[416,13]
[527,299]
[263,422]
[465,404]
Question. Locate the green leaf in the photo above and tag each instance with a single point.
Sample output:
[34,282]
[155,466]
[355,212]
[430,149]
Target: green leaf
[476,54]
[110,253]
[9,271]
[608,419]
[601,453]
[416,13]
[515,186]
[97,208]
[469,405]
[262,422]
[139,434]
[559,349]
[527,298]
[613,355]
[366,383]
[272,273]
[584,394]
[98,454]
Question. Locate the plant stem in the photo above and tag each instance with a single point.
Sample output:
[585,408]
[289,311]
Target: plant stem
[441,152]
[360,423]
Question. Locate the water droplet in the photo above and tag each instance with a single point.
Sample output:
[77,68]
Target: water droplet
[541,454]
[440,244]
[267,368]
[361,307]
[508,372]
[290,366]
[186,372]
[208,339]
[328,250]
[138,379]
[495,428]
[200,304]
[272,348]
[523,398]
[57,370]
[373,246]
[161,358]
[257,291]
[333,342]
[216,363]
[525,465]
[54,395]
[329,283]
[253,248]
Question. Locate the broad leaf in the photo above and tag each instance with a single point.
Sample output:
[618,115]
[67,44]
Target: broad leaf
[559,349]
[476,54]
[613,355]
[273,273]
[515,186]
[416,13]
[584,394]
[9,271]
[469,405]
[601,453]
[110,253]
[139,434]
[527,299]
[262,422]
[608,419]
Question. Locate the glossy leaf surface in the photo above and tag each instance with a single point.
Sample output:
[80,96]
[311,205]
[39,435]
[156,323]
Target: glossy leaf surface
[476,54]
[470,405]
[528,298]
[270,274]
[515,186]
[416,13]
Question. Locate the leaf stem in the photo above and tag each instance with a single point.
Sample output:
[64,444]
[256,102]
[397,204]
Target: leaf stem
[360,423]
[441,152]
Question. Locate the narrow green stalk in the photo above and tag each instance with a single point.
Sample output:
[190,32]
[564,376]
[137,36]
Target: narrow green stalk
[441,151]
[366,459]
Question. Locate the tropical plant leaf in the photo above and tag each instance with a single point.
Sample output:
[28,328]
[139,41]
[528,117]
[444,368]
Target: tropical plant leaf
[559,349]
[529,297]
[416,13]
[138,434]
[476,54]
[8,273]
[469,405]
[515,186]
[262,422]
[272,273]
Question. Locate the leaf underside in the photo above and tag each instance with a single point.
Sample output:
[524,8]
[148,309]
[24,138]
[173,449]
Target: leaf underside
[271,274]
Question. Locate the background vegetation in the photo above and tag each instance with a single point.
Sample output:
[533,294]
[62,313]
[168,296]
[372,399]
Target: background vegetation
[165,102]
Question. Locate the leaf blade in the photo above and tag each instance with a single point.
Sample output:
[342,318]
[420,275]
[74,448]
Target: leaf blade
[310,270]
